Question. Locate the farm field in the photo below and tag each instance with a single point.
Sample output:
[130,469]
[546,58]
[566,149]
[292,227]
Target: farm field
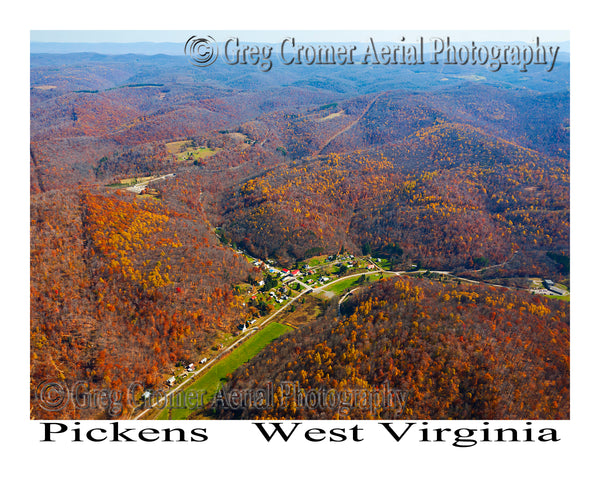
[186,151]
[339,287]
[210,382]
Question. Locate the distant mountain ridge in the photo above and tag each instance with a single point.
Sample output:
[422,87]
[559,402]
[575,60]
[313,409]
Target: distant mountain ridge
[109,48]
[177,48]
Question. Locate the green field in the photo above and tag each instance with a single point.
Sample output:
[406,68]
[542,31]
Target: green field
[210,382]
[352,282]
[197,153]
[564,298]
[342,285]
[184,151]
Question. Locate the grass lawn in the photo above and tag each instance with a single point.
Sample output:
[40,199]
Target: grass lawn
[210,381]
[385,264]
[314,261]
[565,298]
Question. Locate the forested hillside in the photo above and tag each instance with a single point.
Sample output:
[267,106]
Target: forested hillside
[122,288]
[457,353]
[448,197]
[148,177]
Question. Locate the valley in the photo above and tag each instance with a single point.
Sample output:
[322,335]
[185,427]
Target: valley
[235,219]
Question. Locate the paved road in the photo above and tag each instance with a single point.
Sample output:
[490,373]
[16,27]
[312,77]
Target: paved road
[138,187]
[307,289]
[223,352]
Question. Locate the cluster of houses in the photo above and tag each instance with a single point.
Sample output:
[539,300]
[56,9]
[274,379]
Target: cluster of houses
[278,299]
[260,264]
[244,326]
[330,258]
[287,273]
[190,368]
[290,275]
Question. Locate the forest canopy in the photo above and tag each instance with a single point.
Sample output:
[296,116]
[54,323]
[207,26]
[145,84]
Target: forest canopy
[161,195]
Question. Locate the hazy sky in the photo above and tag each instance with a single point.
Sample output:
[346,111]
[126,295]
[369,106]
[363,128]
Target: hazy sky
[124,36]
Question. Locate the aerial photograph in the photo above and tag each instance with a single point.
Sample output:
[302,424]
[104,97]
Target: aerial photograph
[300,225]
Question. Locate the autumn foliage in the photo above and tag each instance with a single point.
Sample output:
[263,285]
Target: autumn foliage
[425,169]
[122,289]
[459,352]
